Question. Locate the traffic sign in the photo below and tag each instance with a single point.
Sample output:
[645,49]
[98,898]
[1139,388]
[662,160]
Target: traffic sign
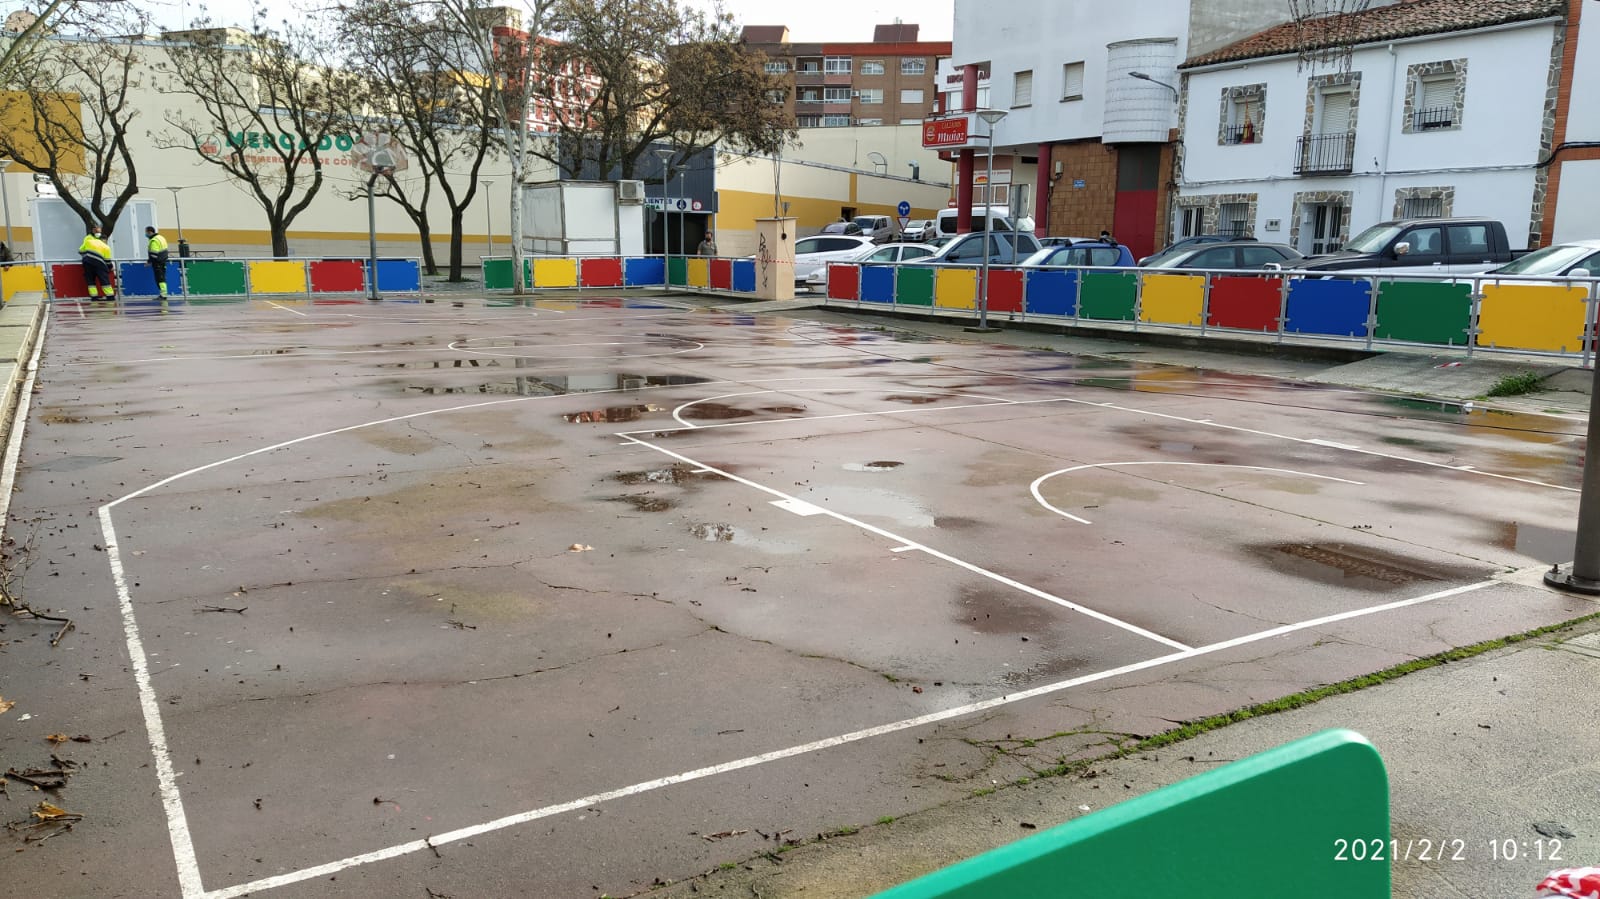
[904,221]
[904,209]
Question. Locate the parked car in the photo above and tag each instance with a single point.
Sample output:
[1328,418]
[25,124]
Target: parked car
[1458,245]
[1572,259]
[889,252]
[1242,254]
[941,240]
[1063,241]
[1188,243]
[1093,253]
[997,216]
[970,249]
[919,230]
[841,228]
[880,228]
[815,252]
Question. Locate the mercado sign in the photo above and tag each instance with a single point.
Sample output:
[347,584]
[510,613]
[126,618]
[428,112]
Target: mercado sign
[240,140]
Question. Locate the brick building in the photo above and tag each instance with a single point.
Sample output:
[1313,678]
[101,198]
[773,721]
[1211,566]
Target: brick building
[887,81]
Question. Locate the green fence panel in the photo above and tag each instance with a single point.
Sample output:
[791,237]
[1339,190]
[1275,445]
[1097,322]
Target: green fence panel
[913,285]
[497,274]
[678,271]
[213,278]
[1307,817]
[1424,311]
[1107,296]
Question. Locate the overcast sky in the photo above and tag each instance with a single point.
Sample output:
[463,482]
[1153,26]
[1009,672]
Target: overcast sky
[809,21]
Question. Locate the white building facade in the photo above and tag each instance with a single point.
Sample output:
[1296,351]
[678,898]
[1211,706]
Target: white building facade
[1455,120]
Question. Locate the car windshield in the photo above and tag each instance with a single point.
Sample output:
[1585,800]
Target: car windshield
[866,222]
[808,245]
[1372,240]
[1548,261]
[1043,256]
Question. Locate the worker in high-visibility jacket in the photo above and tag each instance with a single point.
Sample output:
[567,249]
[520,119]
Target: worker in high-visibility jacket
[158,257]
[96,257]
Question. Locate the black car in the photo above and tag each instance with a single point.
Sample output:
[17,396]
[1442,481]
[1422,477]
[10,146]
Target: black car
[1241,254]
[1189,243]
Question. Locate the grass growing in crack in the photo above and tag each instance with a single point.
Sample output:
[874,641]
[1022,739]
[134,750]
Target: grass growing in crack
[886,819]
[1517,384]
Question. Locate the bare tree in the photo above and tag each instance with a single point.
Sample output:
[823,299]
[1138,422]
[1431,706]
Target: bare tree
[500,48]
[415,84]
[623,75]
[71,113]
[269,108]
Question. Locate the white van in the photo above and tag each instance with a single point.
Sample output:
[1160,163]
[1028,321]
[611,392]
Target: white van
[878,227]
[998,215]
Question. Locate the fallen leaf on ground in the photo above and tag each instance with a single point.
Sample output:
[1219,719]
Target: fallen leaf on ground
[579,548]
[5,705]
[724,834]
[58,739]
[47,812]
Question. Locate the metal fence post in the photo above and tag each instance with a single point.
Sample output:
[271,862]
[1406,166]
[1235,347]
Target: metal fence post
[1205,302]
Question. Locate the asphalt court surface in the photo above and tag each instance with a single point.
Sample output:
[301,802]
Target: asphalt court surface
[564,599]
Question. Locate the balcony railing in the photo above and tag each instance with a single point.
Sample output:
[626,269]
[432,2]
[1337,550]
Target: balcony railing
[1430,119]
[1241,134]
[1325,153]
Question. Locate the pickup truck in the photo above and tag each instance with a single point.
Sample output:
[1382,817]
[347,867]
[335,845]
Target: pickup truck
[1454,245]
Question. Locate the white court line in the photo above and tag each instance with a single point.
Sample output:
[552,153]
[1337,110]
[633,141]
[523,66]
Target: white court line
[898,540]
[1034,487]
[19,422]
[286,308]
[466,833]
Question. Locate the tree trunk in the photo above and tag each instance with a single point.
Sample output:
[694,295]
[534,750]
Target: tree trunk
[456,227]
[428,263]
[280,239]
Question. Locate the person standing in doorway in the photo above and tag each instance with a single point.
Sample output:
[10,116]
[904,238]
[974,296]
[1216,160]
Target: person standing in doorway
[708,246]
[158,258]
[95,254]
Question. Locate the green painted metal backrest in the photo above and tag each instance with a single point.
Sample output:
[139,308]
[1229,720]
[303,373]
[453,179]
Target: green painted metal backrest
[1267,826]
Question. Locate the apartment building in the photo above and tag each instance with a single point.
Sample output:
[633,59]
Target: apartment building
[889,80]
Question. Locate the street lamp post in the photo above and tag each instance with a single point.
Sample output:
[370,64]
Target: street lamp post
[1144,77]
[990,117]
[488,215]
[664,154]
[177,211]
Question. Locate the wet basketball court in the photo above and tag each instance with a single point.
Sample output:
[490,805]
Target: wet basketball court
[573,598]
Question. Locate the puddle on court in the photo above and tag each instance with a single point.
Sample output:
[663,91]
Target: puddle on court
[1553,545]
[784,410]
[1360,567]
[644,502]
[990,611]
[872,466]
[676,474]
[62,418]
[956,523]
[715,411]
[612,414]
[1049,669]
[921,400]
[444,363]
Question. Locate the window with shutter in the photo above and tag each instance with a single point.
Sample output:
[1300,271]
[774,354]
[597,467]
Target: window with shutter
[1335,113]
[1022,90]
[1436,102]
[1072,81]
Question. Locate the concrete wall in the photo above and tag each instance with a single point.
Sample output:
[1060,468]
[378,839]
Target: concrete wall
[1217,23]
[1579,217]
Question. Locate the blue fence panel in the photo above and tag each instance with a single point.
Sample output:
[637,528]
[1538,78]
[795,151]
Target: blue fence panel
[399,274]
[136,279]
[877,283]
[1051,293]
[744,276]
[648,272]
[1334,307]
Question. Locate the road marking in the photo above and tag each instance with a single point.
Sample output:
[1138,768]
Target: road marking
[943,556]
[1034,487]
[797,506]
[286,308]
[466,833]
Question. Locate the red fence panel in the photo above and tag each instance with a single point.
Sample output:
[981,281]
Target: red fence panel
[1005,290]
[722,274]
[338,276]
[600,272]
[844,282]
[1241,301]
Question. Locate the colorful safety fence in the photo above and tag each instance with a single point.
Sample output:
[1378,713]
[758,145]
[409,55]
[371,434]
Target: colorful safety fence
[1461,311]
[220,279]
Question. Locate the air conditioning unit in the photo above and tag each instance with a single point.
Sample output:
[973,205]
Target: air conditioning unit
[630,193]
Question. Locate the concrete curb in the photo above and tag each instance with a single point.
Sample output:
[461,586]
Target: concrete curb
[19,329]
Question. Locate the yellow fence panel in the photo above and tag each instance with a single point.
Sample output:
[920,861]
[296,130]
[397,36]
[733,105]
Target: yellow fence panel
[1532,317]
[15,279]
[1173,299]
[278,276]
[955,288]
[555,273]
[700,272]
